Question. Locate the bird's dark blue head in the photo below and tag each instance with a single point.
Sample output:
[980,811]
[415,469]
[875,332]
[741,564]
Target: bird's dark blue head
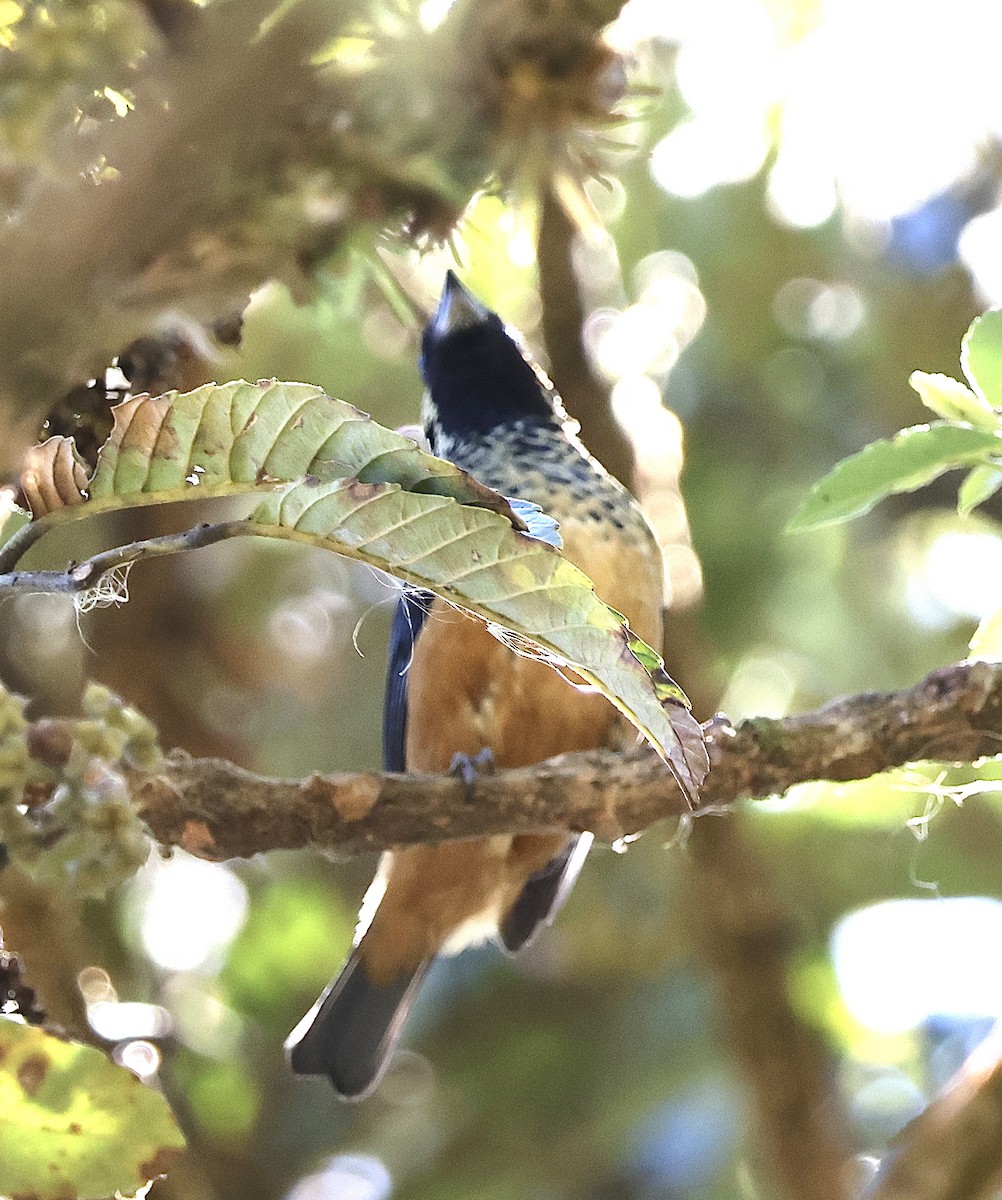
[477,375]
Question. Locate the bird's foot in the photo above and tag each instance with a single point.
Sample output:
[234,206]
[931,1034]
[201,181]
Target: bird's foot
[467,768]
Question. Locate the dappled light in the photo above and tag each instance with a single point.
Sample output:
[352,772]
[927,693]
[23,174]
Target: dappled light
[729,231]
[905,963]
[187,911]
[346,1177]
[958,574]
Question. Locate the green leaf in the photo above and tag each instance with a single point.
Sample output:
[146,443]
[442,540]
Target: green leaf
[980,484]
[338,479]
[75,1124]
[907,461]
[981,356]
[950,399]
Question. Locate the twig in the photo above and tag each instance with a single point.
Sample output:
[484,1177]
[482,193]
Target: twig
[218,811]
[87,574]
[563,320]
[18,546]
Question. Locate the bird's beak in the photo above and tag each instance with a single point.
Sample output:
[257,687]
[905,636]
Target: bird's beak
[457,309]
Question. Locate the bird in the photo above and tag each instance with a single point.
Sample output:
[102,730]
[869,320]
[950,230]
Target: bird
[455,694]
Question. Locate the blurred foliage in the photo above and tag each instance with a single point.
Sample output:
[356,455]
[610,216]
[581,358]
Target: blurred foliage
[779,302]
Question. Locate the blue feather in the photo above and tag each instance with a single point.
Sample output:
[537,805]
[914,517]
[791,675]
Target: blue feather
[540,526]
[410,614]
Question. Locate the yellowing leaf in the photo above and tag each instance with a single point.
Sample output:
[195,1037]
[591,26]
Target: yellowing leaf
[229,439]
[473,558]
[338,479]
[951,400]
[72,1123]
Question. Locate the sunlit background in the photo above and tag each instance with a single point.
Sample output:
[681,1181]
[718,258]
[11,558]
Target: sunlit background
[803,205]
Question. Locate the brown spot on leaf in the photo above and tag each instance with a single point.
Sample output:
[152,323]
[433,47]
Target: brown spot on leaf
[138,423]
[32,1072]
[164,1160]
[146,431]
[74,1127]
[122,415]
[358,490]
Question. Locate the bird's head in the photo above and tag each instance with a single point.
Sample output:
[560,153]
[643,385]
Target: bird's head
[478,375]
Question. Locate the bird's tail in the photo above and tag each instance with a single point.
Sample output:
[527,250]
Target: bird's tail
[350,1033]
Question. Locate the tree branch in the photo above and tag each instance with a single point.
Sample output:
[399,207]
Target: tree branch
[217,811]
[953,1150]
[954,714]
[564,315]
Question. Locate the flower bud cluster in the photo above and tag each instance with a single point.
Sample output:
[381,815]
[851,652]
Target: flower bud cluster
[66,812]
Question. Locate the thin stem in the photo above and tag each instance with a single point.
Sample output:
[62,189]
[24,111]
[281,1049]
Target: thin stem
[84,575]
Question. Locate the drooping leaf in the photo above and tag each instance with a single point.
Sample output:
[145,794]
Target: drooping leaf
[338,479]
[225,440]
[473,558]
[979,485]
[903,463]
[981,356]
[73,1123]
[950,399]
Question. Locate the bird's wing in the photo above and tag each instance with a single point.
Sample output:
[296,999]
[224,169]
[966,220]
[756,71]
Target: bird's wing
[544,894]
[410,614]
